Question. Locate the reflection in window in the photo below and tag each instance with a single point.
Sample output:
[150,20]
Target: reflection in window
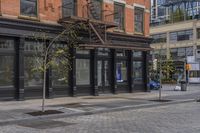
[33,63]
[69,8]
[98,9]
[34,46]
[81,51]
[60,67]
[159,38]
[82,71]
[139,20]
[137,54]
[194,74]
[119,15]
[6,71]
[189,51]
[28,8]
[181,35]
[59,76]
[103,51]
[32,75]
[121,71]
[121,53]
[137,71]
[6,44]
[181,52]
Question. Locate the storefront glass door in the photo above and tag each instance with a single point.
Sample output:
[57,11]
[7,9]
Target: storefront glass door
[104,76]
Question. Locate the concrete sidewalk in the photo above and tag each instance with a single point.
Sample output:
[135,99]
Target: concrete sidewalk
[16,110]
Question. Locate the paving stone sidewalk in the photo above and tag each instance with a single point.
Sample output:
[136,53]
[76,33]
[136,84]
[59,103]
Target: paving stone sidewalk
[16,110]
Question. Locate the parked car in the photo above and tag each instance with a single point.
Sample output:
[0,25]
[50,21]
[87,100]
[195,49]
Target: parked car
[154,85]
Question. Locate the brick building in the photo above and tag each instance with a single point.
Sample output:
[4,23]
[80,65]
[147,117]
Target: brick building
[115,63]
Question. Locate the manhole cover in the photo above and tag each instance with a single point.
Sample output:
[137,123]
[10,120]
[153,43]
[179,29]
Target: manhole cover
[44,124]
[47,112]
[162,100]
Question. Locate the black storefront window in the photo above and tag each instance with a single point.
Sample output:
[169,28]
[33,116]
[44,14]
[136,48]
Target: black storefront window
[28,8]
[6,71]
[121,53]
[139,20]
[83,52]
[121,71]
[119,15]
[59,76]
[137,71]
[59,68]
[33,61]
[137,54]
[82,71]
[32,76]
[103,51]
[6,62]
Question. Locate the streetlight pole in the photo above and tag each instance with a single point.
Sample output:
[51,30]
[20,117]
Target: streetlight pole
[160,74]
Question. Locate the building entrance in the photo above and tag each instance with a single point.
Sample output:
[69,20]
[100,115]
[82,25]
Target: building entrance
[104,76]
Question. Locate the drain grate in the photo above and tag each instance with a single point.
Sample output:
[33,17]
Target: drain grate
[47,112]
[44,124]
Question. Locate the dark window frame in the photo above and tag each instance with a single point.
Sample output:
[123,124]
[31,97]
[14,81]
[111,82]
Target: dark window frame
[159,38]
[182,35]
[10,53]
[31,54]
[34,12]
[122,15]
[141,22]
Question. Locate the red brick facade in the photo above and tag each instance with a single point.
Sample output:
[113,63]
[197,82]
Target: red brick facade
[49,11]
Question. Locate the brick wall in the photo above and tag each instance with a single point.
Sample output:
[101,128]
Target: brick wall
[49,11]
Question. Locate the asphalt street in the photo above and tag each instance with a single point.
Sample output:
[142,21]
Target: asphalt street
[175,118]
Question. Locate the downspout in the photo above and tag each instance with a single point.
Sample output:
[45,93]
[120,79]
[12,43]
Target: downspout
[0,8]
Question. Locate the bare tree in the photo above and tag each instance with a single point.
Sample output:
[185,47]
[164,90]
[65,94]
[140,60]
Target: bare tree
[54,55]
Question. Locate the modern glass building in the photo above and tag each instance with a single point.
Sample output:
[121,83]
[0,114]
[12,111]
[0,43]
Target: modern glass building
[168,11]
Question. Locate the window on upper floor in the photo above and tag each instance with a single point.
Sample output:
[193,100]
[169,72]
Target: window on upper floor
[139,20]
[178,53]
[28,8]
[181,35]
[159,38]
[119,15]
[198,33]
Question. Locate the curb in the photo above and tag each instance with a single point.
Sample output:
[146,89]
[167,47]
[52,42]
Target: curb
[134,107]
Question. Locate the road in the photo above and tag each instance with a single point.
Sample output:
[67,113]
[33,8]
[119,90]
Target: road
[174,118]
